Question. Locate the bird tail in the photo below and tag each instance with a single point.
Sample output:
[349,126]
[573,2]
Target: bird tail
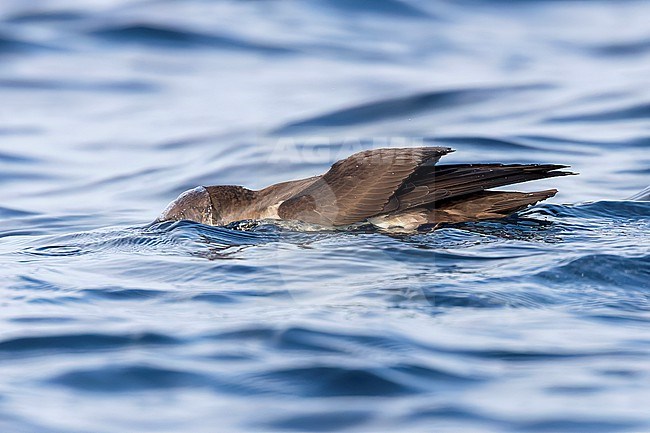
[486,205]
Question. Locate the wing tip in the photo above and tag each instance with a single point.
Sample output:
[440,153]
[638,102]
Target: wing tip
[550,170]
[547,193]
[445,150]
[555,171]
[433,154]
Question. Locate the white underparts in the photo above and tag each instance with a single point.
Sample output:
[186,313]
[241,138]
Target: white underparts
[409,220]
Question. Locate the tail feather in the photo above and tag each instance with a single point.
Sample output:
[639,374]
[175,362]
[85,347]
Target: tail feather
[486,205]
[506,203]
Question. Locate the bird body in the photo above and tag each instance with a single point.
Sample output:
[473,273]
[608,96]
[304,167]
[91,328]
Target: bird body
[395,188]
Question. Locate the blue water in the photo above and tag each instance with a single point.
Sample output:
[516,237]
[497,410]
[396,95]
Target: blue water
[109,109]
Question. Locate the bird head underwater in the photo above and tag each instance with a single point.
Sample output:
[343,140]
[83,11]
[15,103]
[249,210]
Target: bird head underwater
[395,188]
[192,205]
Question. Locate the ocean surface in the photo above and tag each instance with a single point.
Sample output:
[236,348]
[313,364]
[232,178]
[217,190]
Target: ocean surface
[108,323]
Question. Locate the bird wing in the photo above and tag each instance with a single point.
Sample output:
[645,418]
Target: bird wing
[432,185]
[359,186]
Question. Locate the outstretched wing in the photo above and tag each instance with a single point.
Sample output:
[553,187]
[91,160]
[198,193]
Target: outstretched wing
[431,185]
[358,187]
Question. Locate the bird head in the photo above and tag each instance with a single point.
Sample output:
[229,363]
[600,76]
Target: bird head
[192,205]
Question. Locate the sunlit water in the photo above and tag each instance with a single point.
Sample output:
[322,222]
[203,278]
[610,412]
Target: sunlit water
[111,108]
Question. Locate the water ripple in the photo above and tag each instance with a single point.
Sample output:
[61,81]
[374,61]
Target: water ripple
[129,379]
[635,112]
[156,35]
[405,106]
[81,86]
[41,345]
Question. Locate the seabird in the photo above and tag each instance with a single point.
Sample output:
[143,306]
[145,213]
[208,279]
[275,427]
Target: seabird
[394,189]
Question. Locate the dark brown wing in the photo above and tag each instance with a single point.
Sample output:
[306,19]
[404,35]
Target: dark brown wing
[358,187]
[431,185]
